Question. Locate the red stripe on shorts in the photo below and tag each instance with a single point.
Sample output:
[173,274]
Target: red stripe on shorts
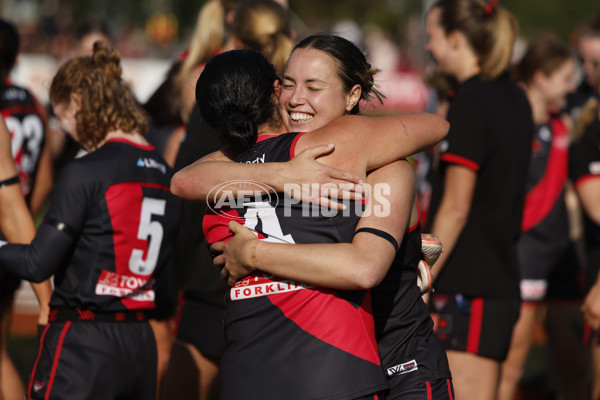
[475,325]
[428,385]
[37,359]
[61,339]
[449,388]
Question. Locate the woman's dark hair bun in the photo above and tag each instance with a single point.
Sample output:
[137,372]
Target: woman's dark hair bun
[235,95]
[238,130]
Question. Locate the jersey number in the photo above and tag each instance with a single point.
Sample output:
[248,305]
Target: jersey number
[30,129]
[271,227]
[151,231]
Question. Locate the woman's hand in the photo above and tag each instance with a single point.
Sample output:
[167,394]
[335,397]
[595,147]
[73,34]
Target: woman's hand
[238,254]
[307,180]
[591,307]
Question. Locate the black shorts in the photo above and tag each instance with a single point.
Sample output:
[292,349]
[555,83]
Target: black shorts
[201,324]
[95,360]
[474,325]
[548,271]
[438,389]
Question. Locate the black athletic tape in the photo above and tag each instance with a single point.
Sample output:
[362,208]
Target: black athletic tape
[9,181]
[381,234]
[61,226]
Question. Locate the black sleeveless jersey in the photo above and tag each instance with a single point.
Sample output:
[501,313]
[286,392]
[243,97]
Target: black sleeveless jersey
[286,339]
[108,232]
[584,165]
[25,121]
[411,353]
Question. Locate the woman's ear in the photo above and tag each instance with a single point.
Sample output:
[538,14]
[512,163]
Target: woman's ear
[456,39]
[276,88]
[353,97]
[75,104]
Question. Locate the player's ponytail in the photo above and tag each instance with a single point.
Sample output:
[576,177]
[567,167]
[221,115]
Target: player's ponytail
[235,95]
[264,26]
[490,29]
[108,61]
[107,103]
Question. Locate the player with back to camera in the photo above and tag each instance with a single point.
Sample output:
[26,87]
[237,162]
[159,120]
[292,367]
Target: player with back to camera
[105,238]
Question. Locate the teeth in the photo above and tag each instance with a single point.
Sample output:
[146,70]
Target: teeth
[298,116]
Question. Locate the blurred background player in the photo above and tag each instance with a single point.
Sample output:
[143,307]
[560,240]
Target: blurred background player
[586,43]
[548,260]
[25,120]
[476,208]
[105,238]
[584,171]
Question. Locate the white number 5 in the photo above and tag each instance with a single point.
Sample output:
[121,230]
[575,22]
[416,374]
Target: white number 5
[151,231]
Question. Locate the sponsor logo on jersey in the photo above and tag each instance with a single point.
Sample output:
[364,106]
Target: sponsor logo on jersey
[13,93]
[257,160]
[118,285]
[594,167]
[221,199]
[259,285]
[405,368]
[442,324]
[545,134]
[145,162]
[444,145]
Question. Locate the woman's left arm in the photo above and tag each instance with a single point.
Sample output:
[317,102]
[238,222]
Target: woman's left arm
[452,215]
[588,192]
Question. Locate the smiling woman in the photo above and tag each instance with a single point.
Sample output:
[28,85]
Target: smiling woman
[324,79]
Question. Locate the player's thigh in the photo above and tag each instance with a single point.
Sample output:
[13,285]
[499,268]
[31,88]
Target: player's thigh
[474,377]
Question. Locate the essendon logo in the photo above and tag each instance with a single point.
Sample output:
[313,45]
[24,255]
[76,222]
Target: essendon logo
[37,386]
[404,368]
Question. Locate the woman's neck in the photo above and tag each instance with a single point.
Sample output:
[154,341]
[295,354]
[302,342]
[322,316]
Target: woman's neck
[133,137]
[468,66]
[539,108]
[271,129]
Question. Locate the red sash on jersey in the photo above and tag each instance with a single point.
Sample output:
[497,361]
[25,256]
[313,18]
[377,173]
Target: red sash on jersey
[540,200]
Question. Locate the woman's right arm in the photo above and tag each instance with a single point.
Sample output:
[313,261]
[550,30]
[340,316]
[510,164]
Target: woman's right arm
[364,143]
[367,143]
[588,192]
[196,181]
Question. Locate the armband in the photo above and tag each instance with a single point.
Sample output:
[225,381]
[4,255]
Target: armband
[9,181]
[61,226]
[381,234]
